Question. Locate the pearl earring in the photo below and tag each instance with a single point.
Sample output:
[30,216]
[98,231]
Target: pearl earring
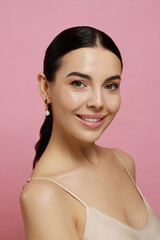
[47,112]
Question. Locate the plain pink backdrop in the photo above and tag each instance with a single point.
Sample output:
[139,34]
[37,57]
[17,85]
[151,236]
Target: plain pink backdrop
[26,29]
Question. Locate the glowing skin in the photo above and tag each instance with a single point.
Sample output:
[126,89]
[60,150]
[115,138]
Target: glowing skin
[87,96]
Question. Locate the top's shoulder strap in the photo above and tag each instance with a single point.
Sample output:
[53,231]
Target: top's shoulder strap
[59,184]
[118,156]
[129,175]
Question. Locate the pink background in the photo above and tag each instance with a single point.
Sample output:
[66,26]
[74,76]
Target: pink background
[26,29]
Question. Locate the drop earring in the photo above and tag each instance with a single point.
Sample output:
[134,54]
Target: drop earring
[47,112]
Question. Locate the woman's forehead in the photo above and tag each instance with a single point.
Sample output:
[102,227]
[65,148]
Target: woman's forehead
[89,60]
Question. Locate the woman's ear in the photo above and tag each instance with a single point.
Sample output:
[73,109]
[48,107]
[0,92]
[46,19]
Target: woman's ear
[43,87]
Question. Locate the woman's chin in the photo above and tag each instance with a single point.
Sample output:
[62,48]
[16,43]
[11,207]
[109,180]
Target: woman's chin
[89,138]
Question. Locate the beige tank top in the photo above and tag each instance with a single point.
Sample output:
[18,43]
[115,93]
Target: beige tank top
[99,226]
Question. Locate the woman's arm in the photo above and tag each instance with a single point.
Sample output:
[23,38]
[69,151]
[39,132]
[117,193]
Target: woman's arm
[46,212]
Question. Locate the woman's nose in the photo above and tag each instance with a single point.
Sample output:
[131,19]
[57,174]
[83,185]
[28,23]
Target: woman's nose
[95,99]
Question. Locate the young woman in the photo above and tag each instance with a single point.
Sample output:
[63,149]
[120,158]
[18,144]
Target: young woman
[79,190]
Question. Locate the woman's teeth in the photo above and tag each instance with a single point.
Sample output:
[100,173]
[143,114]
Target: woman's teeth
[90,119]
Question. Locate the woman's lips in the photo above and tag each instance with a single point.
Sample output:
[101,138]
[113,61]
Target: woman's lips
[91,123]
[93,116]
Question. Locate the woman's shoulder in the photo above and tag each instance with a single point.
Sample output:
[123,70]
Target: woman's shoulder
[39,194]
[128,161]
[43,204]
[39,190]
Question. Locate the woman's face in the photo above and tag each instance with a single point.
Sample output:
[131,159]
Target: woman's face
[87,84]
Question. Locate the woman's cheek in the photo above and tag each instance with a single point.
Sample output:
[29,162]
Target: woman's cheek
[114,105]
[75,99]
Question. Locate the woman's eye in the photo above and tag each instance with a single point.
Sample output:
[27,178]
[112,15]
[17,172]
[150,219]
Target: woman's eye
[78,84]
[112,86]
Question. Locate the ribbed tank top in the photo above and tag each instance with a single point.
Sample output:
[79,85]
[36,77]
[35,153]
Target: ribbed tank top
[99,226]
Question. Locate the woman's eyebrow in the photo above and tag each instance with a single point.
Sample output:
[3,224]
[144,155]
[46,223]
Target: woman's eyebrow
[79,75]
[89,77]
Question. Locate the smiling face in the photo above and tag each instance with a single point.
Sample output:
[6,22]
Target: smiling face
[87,84]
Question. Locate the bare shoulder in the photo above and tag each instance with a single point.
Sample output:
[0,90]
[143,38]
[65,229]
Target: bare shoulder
[46,211]
[128,162]
[125,157]
[39,190]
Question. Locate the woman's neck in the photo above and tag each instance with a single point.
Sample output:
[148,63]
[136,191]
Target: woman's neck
[66,146]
